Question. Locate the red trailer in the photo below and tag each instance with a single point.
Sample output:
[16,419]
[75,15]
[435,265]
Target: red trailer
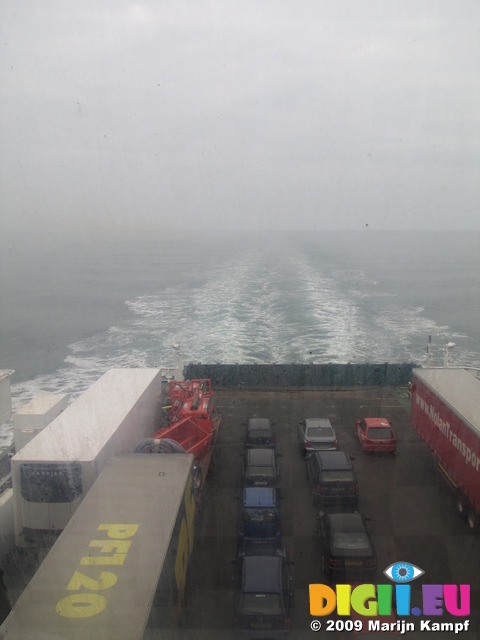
[446,414]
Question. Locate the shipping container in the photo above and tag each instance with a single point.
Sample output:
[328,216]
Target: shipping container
[445,412]
[119,568]
[53,472]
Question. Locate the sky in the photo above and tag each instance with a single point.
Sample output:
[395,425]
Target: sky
[272,114]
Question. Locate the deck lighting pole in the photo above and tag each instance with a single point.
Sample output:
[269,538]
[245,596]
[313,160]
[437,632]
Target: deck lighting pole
[447,347]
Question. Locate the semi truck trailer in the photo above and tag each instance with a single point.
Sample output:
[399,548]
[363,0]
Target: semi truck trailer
[445,412]
[54,471]
[119,569]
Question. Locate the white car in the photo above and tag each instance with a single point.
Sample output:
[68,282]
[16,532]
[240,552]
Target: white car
[316,434]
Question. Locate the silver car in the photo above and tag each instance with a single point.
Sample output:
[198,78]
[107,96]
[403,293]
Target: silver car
[316,434]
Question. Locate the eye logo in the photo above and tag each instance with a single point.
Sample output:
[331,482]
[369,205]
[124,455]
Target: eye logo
[403,572]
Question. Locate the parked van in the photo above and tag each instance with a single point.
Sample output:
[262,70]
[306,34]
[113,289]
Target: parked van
[333,480]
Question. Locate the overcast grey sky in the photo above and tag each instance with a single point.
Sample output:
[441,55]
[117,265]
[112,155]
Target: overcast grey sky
[329,114]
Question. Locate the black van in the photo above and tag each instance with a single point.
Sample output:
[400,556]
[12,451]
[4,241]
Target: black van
[333,480]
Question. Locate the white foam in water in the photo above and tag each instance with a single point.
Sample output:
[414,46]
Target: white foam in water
[258,307]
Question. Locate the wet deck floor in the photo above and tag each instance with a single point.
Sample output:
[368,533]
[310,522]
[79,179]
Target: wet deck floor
[412,516]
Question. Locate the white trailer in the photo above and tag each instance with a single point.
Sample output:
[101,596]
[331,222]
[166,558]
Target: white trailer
[119,568]
[34,416]
[52,473]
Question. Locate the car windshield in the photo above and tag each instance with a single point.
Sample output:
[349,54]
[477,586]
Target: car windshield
[350,540]
[262,515]
[253,472]
[264,603]
[380,433]
[319,432]
[337,476]
[259,433]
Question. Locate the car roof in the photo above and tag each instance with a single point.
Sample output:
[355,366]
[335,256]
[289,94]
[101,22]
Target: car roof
[377,422]
[260,457]
[333,460]
[318,422]
[346,522]
[259,497]
[258,423]
[262,574]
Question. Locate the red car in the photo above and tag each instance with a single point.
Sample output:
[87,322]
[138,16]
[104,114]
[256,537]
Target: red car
[376,434]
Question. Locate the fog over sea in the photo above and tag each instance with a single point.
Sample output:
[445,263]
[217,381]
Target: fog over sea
[73,306]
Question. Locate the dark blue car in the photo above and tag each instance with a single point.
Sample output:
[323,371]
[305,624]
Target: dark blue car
[259,521]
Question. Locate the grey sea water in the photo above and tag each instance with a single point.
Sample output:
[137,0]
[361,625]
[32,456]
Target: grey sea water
[73,306]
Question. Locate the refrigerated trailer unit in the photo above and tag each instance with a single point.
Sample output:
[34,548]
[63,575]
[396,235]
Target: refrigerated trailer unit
[446,414]
[54,471]
[119,568]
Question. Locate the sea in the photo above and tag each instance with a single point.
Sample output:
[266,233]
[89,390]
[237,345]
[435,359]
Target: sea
[73,305]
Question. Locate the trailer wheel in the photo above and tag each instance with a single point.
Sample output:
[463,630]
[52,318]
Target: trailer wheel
[473,520]
[461,506]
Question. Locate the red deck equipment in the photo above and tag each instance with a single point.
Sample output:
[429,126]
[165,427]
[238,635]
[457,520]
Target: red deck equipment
[192,425]
[191,421]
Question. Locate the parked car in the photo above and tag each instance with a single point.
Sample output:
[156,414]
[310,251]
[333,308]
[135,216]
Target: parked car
[259,433]
[263,595]
[315,434]
[259,522]
[333,479]
[347,550]
[261,468]
[376,434]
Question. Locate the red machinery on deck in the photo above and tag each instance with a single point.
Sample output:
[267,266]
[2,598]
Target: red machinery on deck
[191,422]
[192,425]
